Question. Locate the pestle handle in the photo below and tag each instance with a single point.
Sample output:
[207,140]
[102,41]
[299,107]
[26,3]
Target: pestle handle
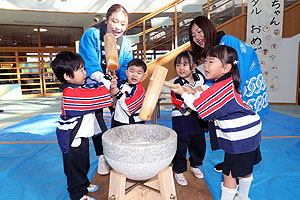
[153,91]
[170,85]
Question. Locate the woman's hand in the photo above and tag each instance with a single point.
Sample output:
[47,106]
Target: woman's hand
[97,76]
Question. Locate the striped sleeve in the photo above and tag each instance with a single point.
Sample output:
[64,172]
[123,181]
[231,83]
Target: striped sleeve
[176,100]
[79,101]
[135,99]
[211,103]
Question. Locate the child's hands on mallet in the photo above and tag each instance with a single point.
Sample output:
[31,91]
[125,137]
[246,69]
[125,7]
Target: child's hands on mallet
[114,86]
[189,89]
[178,89]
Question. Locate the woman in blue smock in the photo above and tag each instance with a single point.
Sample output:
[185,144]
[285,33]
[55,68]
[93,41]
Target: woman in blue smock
[91,48]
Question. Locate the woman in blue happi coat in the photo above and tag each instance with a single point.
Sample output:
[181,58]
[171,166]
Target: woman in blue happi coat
[91,48]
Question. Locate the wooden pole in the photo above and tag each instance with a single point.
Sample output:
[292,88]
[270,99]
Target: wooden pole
[175,26]
[77,46]
[243,6]
[154,89]
[144,40]
[208,9]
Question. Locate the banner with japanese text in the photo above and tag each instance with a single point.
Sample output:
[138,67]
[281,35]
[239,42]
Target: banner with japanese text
[264,34]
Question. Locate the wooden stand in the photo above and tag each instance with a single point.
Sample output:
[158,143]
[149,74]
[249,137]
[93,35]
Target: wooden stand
[161,187]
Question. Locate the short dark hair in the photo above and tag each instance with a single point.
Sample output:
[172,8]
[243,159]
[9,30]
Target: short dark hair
[189,55]
[227,55]
[138,62]
[210,35]
[66,62]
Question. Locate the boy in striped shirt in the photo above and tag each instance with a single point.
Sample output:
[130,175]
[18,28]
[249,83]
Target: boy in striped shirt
[78,120]
[130,95]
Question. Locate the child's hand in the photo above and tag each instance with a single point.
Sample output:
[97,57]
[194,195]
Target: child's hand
[199,88]
[113,83]
[178,90]
[114,91]
[189,90]
[114,77]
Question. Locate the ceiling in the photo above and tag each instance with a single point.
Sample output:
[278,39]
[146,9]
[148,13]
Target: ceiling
[54,18]
[77,13]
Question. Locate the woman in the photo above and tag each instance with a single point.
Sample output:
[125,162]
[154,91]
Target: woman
[91,48]
[203,36]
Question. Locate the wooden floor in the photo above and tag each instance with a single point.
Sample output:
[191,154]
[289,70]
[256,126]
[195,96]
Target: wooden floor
[195,190]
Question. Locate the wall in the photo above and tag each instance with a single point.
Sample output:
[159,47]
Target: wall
[288,72]
[291,21]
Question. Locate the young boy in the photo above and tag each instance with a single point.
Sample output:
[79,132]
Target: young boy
[78,120]
[130,95]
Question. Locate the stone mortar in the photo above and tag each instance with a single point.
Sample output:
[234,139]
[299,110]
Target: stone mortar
[139,151]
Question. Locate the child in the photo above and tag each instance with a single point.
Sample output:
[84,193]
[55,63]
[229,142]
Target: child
[188,126]
[130,95]
[237,127]
[78,120]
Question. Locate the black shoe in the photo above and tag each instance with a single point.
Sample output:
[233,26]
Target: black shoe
[1,111]
[218,167]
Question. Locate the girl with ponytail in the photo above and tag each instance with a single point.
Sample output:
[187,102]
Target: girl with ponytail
[233,126]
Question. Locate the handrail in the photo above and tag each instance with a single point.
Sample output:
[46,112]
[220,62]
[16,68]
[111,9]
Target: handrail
[149,16]
[174,35]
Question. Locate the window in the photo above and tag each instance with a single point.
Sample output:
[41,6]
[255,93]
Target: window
[27,36]
[60,36]
[18,36]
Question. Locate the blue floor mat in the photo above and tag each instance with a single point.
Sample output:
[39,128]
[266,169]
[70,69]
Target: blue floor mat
[30,171]
[34,171]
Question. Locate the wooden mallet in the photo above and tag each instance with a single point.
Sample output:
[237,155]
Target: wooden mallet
[157,80]
[111,53]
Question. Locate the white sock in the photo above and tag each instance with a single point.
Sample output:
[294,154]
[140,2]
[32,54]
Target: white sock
[227,193]
[244,187]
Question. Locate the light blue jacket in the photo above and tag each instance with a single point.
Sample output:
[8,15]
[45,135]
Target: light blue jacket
[90,50]
[252,86]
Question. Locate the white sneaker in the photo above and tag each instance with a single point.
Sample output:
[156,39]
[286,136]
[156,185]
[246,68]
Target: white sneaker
[237,198]
[85,197]
[103,166]
[197,172]
[92,188]
[180,179]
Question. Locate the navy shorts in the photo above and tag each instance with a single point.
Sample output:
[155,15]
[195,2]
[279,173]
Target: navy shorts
[241,164]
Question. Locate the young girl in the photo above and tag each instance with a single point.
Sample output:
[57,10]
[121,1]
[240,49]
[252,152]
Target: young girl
[237,127]
[203,36]
[188,126]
